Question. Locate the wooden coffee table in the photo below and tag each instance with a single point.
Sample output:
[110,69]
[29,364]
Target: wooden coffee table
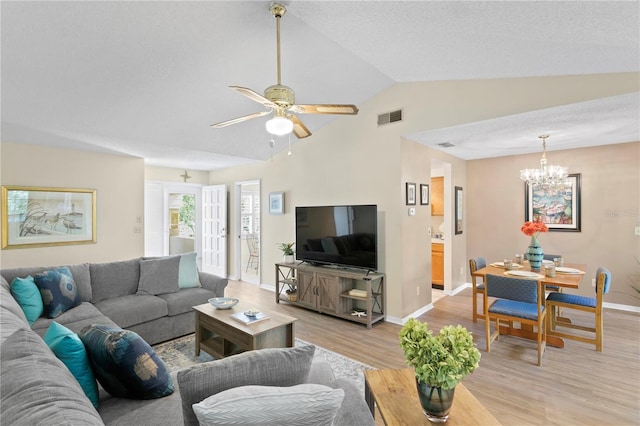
[395,394]
[220,335]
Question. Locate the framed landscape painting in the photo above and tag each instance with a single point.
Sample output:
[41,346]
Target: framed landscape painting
[559,209]
[38,217]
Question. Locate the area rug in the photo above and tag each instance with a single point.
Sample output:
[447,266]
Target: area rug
[180,353]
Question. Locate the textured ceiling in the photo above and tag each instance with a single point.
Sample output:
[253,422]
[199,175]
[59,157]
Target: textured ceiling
[147,78]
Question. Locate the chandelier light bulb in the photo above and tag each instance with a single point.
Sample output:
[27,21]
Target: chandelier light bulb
[279,125]
[547,176]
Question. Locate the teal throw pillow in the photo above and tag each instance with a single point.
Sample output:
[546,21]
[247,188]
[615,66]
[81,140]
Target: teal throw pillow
[26,293]
[188,272]
[69,349]
[58,290]
[124,364]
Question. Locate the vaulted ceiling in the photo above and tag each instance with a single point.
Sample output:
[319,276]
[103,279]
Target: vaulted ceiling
[148,78]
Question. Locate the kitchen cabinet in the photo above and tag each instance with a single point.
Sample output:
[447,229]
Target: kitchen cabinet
[437,265]
[437,196]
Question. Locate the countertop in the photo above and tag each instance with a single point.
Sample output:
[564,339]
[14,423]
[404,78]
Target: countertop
[437,241]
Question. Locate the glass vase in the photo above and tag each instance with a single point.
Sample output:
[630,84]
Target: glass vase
[535,254]
[436,402]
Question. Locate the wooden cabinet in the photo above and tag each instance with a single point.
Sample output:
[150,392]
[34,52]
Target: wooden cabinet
[437,265]
[329,291]
[437,196]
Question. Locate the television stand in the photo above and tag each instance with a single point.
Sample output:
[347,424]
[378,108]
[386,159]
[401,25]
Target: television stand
[353,295]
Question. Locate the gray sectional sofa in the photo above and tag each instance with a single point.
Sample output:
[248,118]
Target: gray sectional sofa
[37,388]
[108,294]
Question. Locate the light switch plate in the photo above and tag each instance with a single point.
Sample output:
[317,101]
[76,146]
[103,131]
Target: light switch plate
[412,211]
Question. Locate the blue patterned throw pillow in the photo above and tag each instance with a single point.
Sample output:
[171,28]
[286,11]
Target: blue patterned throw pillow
[124,364]
[58,290]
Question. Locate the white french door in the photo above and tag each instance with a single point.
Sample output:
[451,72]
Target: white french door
[214,229]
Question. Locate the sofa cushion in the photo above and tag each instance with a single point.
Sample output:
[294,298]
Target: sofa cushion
[75,319]
[264,367]
[131,310]
[184,300]
[70,350]
[26,293]
[158,276]
[37,388]
[59,291]
[11,314]
[188,272]
[80,273]
[124,364]
[114,279]
[305,404]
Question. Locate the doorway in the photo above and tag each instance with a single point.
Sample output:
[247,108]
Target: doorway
[182,223]
[441,229]
[248,247]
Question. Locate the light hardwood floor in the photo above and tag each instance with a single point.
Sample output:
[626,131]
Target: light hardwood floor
[575,385]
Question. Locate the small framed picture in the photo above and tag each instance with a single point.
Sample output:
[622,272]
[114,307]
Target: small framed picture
[459,214]
[424,194]
[276,203]
[411,193]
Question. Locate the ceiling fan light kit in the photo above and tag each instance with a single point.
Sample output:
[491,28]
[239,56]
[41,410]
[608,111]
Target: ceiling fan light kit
[281,99]
[279,125]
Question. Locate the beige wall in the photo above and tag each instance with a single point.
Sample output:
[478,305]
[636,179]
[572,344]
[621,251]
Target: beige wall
[349,161]
[354,161]
[610,206]
[167,174]
[119,185]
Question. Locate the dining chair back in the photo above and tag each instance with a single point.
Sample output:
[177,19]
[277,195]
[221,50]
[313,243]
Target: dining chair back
[477,287]
[581,303]
[517,300]
[254,252]
[546,256]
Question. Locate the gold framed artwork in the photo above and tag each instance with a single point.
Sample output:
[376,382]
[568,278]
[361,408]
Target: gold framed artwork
[40,216]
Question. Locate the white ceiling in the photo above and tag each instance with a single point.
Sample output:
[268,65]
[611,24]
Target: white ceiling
[147,78]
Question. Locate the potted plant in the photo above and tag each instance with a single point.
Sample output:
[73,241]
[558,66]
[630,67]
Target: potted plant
[287,251]
[440,363]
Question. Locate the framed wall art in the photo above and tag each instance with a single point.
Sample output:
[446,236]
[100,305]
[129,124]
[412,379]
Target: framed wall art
[559,209]
[459,209]
[424,194]
[39,216]
[411,193]
[276,203]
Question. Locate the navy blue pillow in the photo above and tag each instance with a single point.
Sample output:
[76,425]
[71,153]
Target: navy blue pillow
[58,290]
[124,364]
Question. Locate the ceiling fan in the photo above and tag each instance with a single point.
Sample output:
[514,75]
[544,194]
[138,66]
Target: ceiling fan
[280,100]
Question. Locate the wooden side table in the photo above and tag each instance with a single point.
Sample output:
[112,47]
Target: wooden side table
[395,394]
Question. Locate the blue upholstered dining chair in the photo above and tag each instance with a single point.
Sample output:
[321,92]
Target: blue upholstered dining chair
[475,264]
[519,300]
[582,303]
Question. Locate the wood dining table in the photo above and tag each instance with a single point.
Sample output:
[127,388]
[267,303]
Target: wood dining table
[563,280]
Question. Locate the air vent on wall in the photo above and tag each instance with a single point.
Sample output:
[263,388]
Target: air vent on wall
[446,145]
[389,117]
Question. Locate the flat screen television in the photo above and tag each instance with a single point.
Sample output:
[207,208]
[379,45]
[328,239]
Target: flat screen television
[344,236]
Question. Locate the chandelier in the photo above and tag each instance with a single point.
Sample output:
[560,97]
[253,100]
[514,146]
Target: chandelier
[547,176]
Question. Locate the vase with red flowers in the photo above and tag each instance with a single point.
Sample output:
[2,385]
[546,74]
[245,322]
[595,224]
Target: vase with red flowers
[534,251]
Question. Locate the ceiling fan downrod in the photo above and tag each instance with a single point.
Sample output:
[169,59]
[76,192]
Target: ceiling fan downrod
[278,11]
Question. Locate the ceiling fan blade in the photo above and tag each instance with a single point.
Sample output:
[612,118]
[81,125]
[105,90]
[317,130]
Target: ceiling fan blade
[240,119]
[254,96]
[299,129]
[325,109]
